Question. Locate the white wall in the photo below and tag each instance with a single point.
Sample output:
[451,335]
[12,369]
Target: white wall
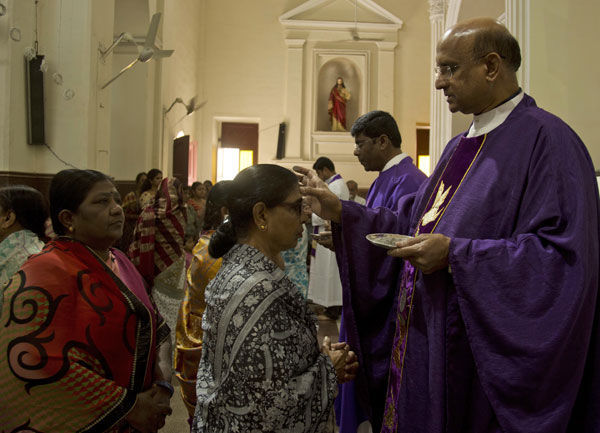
[244,73]
[132,96]
[68,32]
[228,52]
[565,64]
[183,72]
[232,54]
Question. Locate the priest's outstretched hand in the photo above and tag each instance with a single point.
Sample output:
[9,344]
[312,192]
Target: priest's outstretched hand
[427,252]
[322,201]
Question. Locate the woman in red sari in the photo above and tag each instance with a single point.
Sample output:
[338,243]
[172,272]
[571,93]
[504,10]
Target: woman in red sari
[158,252]
[83,348]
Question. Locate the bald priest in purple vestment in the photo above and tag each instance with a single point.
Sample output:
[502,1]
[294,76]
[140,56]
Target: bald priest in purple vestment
[497,312]
[369,306]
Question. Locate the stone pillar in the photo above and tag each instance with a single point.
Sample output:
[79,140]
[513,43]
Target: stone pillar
[385,76]
[293,97]
[440,116]
[517,22]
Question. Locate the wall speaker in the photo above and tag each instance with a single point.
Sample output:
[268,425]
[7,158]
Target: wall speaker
[281,141]
[35,100]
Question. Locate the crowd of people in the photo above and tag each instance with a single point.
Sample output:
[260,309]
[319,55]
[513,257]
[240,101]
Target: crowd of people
[93,334]
[483,317]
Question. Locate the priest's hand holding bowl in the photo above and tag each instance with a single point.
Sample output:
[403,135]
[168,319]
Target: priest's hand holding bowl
[427,252]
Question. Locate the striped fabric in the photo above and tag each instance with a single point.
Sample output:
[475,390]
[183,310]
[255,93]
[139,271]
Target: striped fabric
[159,233]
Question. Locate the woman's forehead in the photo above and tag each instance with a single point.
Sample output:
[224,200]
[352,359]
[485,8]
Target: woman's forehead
[102,186]
[294,195]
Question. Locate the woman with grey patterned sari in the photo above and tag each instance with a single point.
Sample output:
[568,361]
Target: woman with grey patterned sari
[261,368]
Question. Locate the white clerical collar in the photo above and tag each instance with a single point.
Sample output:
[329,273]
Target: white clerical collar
[395,160]
[486,122]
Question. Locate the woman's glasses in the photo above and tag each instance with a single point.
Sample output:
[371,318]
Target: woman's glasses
[295,207]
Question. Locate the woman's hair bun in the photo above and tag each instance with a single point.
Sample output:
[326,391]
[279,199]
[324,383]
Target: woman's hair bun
[222,240]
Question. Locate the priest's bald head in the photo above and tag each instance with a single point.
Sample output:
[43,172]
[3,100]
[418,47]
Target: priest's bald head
[477,62]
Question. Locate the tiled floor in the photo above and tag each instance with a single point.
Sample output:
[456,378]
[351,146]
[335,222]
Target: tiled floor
[177,422]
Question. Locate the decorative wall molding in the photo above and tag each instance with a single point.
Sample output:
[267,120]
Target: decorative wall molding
[518,21]
[440,116]
[295,43]
[292,105]
[359,59]
[437,10]
[41,181]
[292,20]
[386,46]
[320,34]
[452,13]
[338,145]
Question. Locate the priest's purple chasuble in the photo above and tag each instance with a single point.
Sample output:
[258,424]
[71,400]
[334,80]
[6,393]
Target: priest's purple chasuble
[507,338]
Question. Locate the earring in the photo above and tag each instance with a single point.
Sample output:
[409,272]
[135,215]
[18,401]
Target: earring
[70,229]
[263,227]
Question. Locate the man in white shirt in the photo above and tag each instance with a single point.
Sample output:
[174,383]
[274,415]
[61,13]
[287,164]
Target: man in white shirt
[353,188]
[324,286]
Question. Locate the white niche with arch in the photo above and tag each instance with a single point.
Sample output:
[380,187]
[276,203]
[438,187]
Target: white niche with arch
[327,39]
[353,68]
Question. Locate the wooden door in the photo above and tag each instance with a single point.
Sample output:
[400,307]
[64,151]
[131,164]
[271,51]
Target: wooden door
[243,136]
[181,158]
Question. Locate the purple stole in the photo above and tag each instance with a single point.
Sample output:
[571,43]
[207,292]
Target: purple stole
[451,179]
[334,178]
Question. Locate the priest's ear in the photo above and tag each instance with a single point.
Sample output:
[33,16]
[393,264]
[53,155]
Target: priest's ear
[383,142]
[493,62]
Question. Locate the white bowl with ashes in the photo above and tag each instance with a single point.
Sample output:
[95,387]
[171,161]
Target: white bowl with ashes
[386,240]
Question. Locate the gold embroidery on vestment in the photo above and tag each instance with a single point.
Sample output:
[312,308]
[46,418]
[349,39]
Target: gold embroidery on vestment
[433,213]
[390,412]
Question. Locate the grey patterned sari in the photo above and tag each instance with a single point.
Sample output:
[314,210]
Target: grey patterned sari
[261,368]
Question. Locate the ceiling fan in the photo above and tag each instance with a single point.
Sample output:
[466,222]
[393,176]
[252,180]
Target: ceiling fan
[147,51]
[191,107]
